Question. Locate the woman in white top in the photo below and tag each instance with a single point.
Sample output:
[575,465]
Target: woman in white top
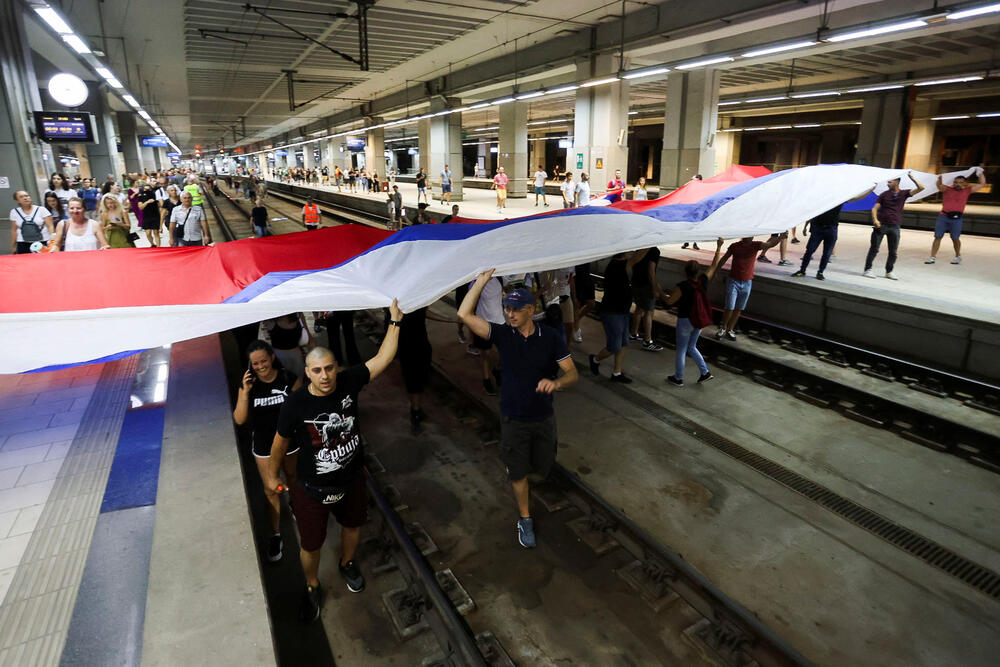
[28,221]
[59,185]
[639,194]
[79,232]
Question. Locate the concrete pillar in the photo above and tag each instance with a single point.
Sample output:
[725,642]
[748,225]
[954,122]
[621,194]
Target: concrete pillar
[483,157]
[308,157]
[600,124]
[727,149]
[148,158]
[513,148]
[880,135]
[536,155]
[130,142]
[375,151]
[689,124]
[443,146]
[920,154]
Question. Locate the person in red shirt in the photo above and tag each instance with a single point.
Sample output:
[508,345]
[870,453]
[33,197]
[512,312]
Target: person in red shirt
[740,279]
[954,199]
[500,185]
[616,183]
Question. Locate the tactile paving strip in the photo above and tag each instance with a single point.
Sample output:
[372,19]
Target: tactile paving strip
[35,615]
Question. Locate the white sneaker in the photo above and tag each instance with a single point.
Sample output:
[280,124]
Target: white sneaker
[869,274]
[957,260]
[578,336]
[890,275]
[930,260]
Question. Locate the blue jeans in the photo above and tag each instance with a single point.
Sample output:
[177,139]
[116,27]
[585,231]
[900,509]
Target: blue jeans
[687,344]
[737,293]
[825,235]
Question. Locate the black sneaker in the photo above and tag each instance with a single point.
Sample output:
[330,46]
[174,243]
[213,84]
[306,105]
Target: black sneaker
[595,367]
[820,276]
[684,247]
[489,388]
[719,334]
[674,381]
[695,247]
[799,274]
[650,346]
[274,548]
[705,377]
[763,259]
[311,604]
[352,575]
[621,377]
[731,335]
[796,240]
[632,337]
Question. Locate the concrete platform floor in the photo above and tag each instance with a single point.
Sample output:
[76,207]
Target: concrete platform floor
[836,592]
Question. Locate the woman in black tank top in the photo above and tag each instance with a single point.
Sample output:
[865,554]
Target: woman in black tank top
[265,387]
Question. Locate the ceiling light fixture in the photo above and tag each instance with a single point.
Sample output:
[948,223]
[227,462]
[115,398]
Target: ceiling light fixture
[502,100]
[806,125]
[644,73]
[78,44]
[730,103]
[948,117]
[754,100]
[598,82]
[481,105]
[528,96]
[822,93]
[880,30]
[54,20]
[562,89]
[938,82]
[976,11]
[992,114]
[777,49]
[872,89]
[130,101]
[704,63]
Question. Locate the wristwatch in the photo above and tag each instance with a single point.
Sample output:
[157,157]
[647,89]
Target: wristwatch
[395,323]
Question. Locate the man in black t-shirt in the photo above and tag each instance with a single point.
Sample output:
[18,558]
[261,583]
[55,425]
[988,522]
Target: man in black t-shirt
[258,215]
[645,291]
[531,357]
[615,307]
[321,418]
[823,229]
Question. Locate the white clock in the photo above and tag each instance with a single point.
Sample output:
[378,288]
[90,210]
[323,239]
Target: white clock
[68,89]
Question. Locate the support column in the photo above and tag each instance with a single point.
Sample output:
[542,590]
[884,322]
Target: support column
[920,141]
[690,119]
[375,150]
[130,142]
[727,149]
[600,124]
[879,138]
[444,147]
[308,157]
[513,149]
[21,156]
[148,158]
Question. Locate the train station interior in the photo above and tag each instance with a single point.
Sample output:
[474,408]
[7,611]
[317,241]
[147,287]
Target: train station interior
[820,486]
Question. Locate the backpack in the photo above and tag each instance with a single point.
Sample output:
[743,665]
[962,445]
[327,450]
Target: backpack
[30,230]
[701,307]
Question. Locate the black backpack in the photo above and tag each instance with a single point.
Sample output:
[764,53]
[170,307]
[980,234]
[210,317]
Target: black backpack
[30,230]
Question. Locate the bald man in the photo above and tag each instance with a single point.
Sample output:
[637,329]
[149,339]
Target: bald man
[322,417]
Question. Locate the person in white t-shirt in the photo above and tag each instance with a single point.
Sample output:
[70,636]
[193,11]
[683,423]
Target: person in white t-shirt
[490,308]
[539,180]
[28,224]
[583,191]
[568,189]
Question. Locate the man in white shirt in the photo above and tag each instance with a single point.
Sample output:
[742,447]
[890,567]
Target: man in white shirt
[568,189]
[539,179]
[583,191]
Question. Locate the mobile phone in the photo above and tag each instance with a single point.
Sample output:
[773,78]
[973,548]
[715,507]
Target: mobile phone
[250,371]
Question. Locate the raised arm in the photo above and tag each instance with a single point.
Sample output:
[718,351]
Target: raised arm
[920,186]
[866,193]
[467,310]
[982,182]
[716,262]
[387,351]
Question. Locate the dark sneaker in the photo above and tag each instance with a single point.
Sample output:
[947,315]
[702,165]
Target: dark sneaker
[784,262]
[677,382]
[312,601]
[621,377]
[719,334]
[730,335]
[595,367]
[763,259]
[695,247]
[489,388]
[706,377]
[634,337]
[799,274]
[526,532]
[796,240]
[352,575]
[820,276]
[274,547]
[684,247]
[650,346]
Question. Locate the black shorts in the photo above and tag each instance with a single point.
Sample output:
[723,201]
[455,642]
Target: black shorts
[584,284]
[311,515]
[481,343]
[261,446]
[644,298]
[527,446]
[416,367]
[151,224]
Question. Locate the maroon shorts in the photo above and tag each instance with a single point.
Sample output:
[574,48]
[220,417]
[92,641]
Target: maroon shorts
[311,515]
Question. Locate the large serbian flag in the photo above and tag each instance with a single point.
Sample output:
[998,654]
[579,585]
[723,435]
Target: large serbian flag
[71,308]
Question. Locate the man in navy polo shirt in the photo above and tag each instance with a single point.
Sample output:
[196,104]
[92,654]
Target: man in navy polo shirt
[531,357]
[887,216]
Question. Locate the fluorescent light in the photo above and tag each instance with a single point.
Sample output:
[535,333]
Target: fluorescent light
[779,127]
[78,44]
[977,11]
[992,114]
[481,105]
[807,125]
[938,82]
[732,129]
[561,89]
[948,117]
[144,114]
[777,49]
[55,21]
[632,113]
[881,30]
[526,96]
[130,101]
[503,100]
[753,129]
[441,113]
[598,82]
[483,129]
[822,93]
[649,72]
[872,89]
[730,103]
[709,61]
[752,100]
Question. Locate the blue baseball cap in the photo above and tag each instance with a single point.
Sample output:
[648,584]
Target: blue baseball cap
[519,298]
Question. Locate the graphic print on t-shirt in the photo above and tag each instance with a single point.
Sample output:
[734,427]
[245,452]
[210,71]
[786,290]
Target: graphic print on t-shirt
[331,435]
[277,397]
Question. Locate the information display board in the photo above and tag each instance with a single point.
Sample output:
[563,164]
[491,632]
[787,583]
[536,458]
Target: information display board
[155,141]
[65,127]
